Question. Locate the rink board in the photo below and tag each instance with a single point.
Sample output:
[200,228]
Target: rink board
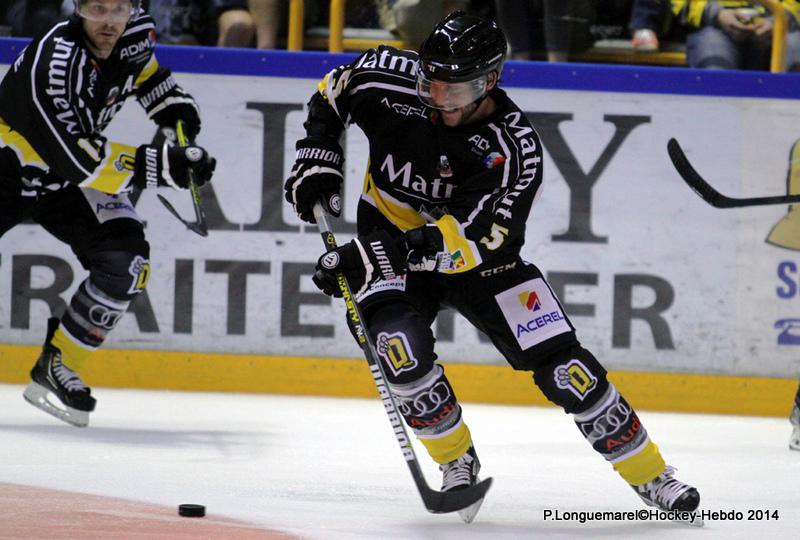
[343,377]
[657,282]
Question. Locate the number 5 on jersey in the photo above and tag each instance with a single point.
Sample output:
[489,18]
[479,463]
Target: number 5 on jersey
[498,235]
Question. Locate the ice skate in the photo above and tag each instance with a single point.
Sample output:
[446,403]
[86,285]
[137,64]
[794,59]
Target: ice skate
[462,473]
[794,441]
[666,492]
[56,389]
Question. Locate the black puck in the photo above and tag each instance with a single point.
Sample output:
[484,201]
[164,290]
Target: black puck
[191,510]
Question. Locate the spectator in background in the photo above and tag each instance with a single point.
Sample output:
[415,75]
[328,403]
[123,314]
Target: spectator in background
[565,25]
[413,20]
[648,19]
[267,16]
[224,23]
[28,18]
[732,34]
[523,24]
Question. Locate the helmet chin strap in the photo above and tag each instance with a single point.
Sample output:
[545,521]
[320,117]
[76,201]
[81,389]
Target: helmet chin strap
[475,105]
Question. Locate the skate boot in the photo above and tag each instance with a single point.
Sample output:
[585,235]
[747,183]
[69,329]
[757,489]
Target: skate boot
[666,492]
[462,473]
[56,389]
[794,441]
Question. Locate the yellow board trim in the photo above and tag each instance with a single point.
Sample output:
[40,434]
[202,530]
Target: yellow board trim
[165,370]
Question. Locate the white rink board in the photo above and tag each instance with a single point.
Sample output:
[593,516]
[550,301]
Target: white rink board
[717,278]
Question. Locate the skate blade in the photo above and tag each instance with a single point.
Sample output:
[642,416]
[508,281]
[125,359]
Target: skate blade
[794,442]
[468,514]
[40,397]
[696,522]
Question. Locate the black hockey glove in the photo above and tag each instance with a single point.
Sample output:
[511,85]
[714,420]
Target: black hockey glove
[425,247]
[363,261]
[186,111]
[316,177]
[166,102]
[165,165]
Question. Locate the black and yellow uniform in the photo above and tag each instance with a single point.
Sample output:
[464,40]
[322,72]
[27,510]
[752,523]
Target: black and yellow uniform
[476,183]
[57,99]
[58,169]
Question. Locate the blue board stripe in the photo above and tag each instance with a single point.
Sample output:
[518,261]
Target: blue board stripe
[571,76]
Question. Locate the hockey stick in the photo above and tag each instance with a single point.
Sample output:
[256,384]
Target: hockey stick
[708,193]
[436,502]
[199,225]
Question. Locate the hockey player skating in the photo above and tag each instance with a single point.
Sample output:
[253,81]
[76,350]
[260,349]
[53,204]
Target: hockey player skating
[454,167]
[57,169]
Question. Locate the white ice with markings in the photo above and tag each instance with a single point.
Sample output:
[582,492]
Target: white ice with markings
[325,468]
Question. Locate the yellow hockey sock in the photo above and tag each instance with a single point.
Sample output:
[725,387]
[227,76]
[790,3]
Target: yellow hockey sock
[641,467]
[451,445]
[73,354]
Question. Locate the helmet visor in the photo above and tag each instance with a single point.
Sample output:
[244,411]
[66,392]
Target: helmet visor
[113,11]
[449,95]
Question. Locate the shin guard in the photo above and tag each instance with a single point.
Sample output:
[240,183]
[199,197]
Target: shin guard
[88,319]
[431,410]
[613,429]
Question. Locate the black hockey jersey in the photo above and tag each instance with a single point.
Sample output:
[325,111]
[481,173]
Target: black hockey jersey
[56,100]
[476,182]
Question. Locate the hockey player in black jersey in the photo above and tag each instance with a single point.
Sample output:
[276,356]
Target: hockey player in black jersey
[454,167]
[57,169]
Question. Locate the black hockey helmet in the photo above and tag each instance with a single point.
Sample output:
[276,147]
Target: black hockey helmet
[461,49]
[119,11]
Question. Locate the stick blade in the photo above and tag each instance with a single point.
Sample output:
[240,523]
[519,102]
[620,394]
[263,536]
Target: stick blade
[443,502]
[198,228]
[691,177]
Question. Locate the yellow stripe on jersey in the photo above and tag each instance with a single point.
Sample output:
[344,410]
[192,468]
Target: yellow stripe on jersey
[147,72]
[464,253]
[73,353]
[323,84]
[402,216]
[449,447]
[641,467]
[26,155]
[331,88]
[114,174]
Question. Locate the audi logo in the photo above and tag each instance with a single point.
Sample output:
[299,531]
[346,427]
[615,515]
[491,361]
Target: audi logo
[608,423]
[425,403]
[103,317]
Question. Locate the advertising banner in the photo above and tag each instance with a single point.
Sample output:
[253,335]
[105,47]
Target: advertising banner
[654,278]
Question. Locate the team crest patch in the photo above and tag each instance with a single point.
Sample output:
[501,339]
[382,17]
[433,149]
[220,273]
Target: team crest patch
[395,352]
[140,271]
[576,378]
[124,162]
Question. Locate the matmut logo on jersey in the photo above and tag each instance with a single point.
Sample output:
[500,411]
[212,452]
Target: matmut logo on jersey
[532,312]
